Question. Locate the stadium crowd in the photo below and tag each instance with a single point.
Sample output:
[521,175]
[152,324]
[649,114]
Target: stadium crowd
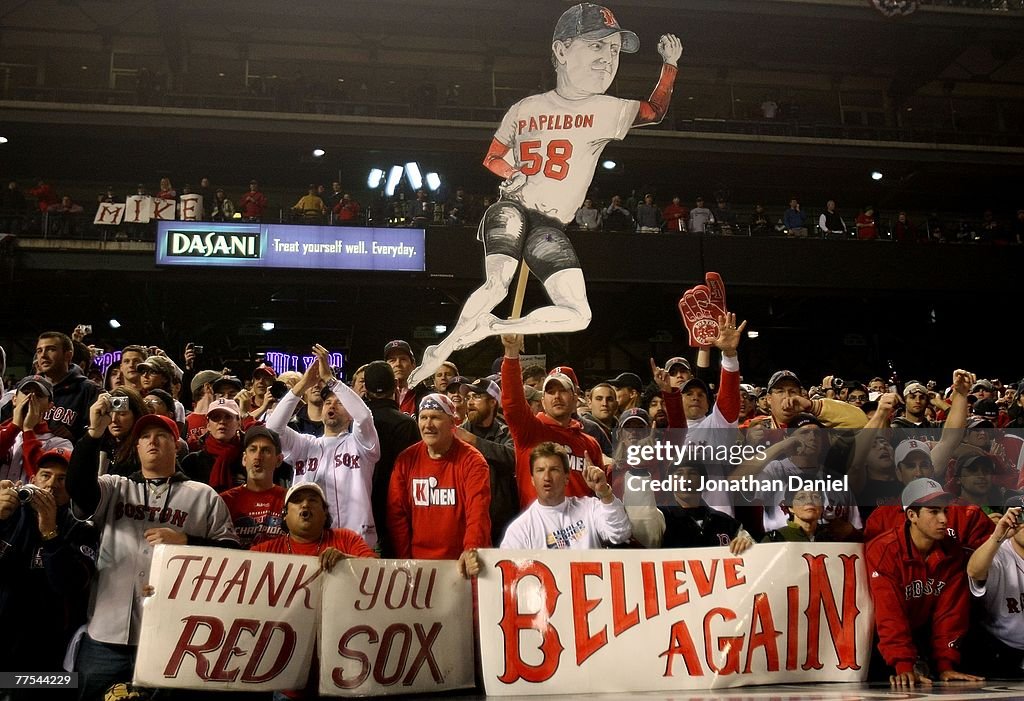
[98,465]
[43,211]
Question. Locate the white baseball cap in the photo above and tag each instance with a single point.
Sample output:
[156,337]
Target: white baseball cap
[924,492]
[909,446]
[312,486]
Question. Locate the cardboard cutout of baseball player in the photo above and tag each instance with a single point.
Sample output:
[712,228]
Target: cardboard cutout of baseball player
[546,149]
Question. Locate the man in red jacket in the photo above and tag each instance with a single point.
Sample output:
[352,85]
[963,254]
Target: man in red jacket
[555,423]
[439,499]
[919,586]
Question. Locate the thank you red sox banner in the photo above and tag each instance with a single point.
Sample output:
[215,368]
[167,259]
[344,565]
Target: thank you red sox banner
[223,620]
[577,622]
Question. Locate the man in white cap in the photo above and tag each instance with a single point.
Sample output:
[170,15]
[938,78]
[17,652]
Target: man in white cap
[916,575]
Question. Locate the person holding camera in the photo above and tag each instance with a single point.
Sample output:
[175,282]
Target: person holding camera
[110,448]
[47,559]
[343,459]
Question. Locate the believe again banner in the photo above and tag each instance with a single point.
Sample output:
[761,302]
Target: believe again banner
[578,622]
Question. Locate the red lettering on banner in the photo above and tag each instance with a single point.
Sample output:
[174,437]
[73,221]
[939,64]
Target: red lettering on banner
[586,644]
[670,570]
[284,653]
[160,208]
[384,654]
[622,620]
[729,644]
[792,626]
[214,580]
[733,576]
[240,580]
[403,589]
[220,671]
[185,646]
[426,654]
[383,659]
[763,634]
[299,585]
[106,209]
[185,561]
[338,674]
[705,582]
[681,644]
[842,628]
[364,606]
[650,583]
[512,621]
[188,209]
[217,639]
[267,579]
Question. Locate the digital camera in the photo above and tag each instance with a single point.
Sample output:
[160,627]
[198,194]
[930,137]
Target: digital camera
[119,403]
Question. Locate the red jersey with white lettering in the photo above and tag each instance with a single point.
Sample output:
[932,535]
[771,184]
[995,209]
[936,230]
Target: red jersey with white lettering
[343,539]
[438,507]
[556,144]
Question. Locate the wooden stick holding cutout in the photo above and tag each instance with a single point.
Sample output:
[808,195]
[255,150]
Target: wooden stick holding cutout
[517,301]
[700,307]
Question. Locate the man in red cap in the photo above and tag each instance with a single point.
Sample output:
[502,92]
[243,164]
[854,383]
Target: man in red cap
[158,504]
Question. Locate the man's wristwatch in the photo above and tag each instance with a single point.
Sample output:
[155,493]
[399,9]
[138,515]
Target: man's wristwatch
[50,535]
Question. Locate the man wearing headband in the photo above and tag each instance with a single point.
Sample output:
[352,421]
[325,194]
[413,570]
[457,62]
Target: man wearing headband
[440,494]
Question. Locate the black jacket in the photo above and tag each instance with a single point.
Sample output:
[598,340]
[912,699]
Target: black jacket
[72,397]
[495,443]
[682,529]
[395,432]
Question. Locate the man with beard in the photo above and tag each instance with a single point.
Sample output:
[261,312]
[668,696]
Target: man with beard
[341,461]
[73,394]
[307,524]
[487,432]
[915,402]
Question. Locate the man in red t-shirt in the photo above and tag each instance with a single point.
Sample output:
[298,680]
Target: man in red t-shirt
[439,499]
[256,506]
[307,523]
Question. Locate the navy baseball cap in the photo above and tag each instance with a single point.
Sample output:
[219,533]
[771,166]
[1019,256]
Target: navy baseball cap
[635,414]
[261,431]
[592,21]
[627,379]
[39,381]
[398,346]
[783,375]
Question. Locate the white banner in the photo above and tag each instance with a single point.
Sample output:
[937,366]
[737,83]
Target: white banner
[138,209]
[109,213]
[191,208]
[579,622]
[163,209]
[395,627]
[224,620]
